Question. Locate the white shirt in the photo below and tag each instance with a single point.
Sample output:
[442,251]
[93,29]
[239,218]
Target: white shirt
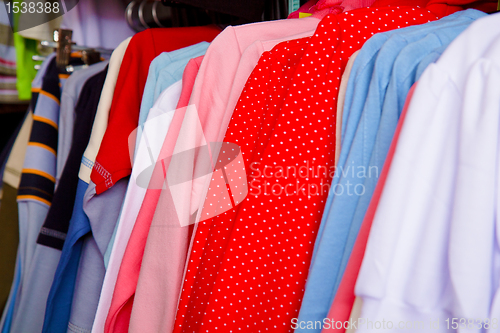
[433,252]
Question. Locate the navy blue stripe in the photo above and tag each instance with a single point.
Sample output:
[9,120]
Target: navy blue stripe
[32,184]
[45,134]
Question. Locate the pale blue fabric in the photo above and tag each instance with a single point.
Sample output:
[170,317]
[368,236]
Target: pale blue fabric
[166,69]
[429,59]
[367,132]
[404,75]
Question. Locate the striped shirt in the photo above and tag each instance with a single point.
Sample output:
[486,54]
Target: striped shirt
[38,174]
[39,170]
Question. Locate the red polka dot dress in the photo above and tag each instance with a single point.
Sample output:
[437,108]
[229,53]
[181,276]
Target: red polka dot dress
[248,266]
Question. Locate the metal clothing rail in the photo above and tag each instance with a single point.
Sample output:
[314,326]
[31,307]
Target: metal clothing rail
[77,47]
[64,46]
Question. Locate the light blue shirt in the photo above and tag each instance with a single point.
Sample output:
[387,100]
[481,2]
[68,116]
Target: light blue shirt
[166,69]
[402,79]
[378,85]
[429,59]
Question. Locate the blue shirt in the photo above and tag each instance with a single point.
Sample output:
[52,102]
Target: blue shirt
[165,70]
[429,59]
[404,75]
[367,132]
[61,292]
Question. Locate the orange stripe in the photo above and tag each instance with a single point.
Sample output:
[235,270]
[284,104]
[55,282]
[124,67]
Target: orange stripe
[40,173]
[43,92]
[35,90]
[33,197]
[45,120]
[64,76]
[41,145]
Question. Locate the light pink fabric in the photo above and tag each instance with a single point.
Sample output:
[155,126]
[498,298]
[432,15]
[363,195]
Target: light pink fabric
[225,69]
[155,294]
[322,8]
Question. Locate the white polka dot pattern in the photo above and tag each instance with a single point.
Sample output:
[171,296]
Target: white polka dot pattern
[248,266]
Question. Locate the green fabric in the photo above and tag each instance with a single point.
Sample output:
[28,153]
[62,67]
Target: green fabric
[25,71]
[9,240]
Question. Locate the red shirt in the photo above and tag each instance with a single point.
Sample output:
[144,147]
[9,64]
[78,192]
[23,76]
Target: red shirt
[248,266]
[442,7]
[113,161]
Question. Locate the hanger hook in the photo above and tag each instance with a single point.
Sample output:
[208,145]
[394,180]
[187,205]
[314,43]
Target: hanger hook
[155,14]
[141,15]
[128,13]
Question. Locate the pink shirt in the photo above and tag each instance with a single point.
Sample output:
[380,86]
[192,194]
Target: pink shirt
[155,300]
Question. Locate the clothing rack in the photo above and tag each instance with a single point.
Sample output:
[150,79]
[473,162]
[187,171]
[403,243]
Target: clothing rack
[294,205]
[144,14]
[75,47]
[64,46]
